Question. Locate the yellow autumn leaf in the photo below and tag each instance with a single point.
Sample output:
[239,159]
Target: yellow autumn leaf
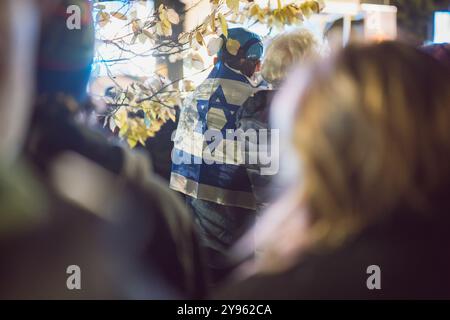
[307,9]
[188,85]
[172,115]
[165,20]
[257,12]
[224,25]
[103,18]
[132,142]
[213,21]
[254,9]
[199,38]
[166,23]
[197,61]
[123,131]
[148,34]
[233,5]
[279,16]
[163,29]
[292,10]
[121,117]
[135,27]
[119,16]
[184,37]
[308,6]
[233,46]
[270,21]
[173,17]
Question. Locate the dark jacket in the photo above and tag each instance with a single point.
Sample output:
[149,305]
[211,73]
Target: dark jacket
[146,203]
[411,251]
[160,149]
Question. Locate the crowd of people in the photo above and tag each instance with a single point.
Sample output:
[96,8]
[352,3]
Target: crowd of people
[348,168]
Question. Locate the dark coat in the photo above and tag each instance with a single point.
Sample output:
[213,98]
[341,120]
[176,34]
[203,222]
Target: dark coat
[412,252]
[145,202]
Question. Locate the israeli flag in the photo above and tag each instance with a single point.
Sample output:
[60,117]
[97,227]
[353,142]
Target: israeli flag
[207,159]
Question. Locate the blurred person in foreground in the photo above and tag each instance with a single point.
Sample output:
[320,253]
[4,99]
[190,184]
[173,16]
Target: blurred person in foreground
[34,254]
[131,237]
[285,50]
[64,63]
[205,166]
[371,129]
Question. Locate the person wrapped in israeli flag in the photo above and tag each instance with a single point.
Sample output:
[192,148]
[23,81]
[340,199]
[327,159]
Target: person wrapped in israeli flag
[207,162]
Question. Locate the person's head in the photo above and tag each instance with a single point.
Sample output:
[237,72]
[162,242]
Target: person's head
[18,22]
[66,50]
[286,50]
[370,129]
[248,58]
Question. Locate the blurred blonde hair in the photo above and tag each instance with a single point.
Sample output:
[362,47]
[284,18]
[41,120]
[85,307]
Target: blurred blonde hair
[286,50]
[372,131]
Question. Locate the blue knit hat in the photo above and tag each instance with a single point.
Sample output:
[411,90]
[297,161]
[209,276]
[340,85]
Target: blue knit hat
[250,42]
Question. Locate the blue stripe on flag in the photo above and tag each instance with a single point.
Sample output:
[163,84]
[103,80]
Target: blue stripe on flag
[225,176]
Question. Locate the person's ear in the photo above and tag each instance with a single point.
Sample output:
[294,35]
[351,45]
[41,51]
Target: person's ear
[258,66]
